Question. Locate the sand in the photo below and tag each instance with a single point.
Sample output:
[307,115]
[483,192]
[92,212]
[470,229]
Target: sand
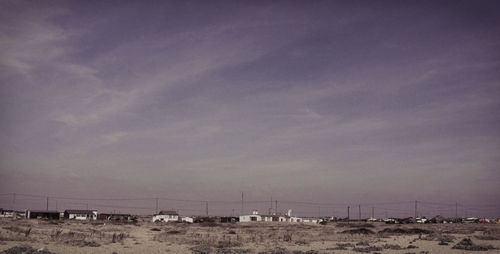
[259,237]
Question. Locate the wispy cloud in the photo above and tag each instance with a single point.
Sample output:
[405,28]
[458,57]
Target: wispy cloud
[268,98]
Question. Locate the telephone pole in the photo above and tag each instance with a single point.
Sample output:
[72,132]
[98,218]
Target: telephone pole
[416,208]
[276,206]
[47,208]
[359,212]
[271,207]
[242,204]
[348,213]
[373,212]
[206,207]
[156,210]
[456,209]
[13,201]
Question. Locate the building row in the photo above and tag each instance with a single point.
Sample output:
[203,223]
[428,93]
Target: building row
[67,214]
[173,216]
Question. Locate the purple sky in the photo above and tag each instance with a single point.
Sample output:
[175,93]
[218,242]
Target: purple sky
[342,102]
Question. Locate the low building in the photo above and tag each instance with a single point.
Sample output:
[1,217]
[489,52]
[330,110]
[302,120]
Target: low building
[187,219]
[166,216]
[421,220]
[311,220]
[7,213]
[80,214]
[438,219]
[267,217]
[38,214]
[230,219]
[252,217]
[296,219]
[115,217]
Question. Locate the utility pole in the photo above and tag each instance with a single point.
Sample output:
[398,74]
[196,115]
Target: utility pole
[373,212]
[276,206]
[87,206]
[456,209]
[13,201]
[242,204]
[271,207]
[416,209]
[348,213]
[206,207]
[232,214]
[156,210]
[47,208]
[359,212]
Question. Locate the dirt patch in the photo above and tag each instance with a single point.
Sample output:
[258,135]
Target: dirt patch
[25,250]
[361,231]
[356,225]
[405,231]
[467,244]
[368,249]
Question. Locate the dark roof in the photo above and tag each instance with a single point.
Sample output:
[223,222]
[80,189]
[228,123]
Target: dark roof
[80,211]
[116,214]
[42,211]
[168,213]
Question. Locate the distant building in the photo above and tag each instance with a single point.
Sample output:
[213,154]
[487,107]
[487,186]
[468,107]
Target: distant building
[7,213]
[38,214]
[166,216]
[80,214]
[252,217]
[313,220]
[230,219]
[187,219]
[283,218]
[297,219]
[115,217]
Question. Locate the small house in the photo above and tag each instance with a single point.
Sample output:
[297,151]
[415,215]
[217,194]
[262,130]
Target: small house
[230,219]
[7,213]
[115,217]
[252,217]
[166,216]
[80,214]
[187,219]
[37,214]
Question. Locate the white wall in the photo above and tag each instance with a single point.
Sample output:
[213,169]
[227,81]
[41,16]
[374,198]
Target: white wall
[165,218]
[248,218]
[187,219]
[92,216]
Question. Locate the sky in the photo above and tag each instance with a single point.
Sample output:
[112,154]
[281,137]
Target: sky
[331,102]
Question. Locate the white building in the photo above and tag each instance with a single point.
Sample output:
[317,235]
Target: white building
[187,219]
[252,217]
[295,219]
[166,216]
[80,214]
[283,218]
[6,213]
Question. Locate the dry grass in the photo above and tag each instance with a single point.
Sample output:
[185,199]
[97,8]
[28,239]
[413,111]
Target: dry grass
[97,237]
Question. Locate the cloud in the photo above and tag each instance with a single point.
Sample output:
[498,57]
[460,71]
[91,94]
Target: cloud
[289,100]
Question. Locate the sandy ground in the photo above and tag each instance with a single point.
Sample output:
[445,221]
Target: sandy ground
[262,237]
